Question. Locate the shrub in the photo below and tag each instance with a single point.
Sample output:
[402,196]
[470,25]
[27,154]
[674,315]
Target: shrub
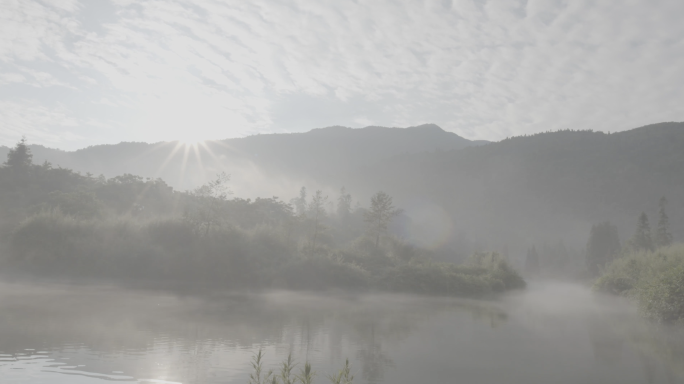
[654,279]
[662,298]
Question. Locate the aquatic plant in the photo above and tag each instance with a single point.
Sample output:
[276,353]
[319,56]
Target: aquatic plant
[306,374]
[286,370]
[258,376]
[344,376]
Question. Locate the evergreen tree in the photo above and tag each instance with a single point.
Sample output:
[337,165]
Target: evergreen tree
[318,214]
[532,261]
[602,247]
[19,157]
[300,202]
[344,203]
[642,239]
[663,237]
[379,215]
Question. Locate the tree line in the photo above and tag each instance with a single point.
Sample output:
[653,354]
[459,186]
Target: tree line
[57,223]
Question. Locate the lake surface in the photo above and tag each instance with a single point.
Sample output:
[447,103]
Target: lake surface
[551,333]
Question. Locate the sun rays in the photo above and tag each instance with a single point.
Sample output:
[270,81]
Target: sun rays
[200,160]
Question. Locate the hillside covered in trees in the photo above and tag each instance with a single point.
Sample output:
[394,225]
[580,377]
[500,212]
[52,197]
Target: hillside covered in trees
[544,191]
[57,224]
[293,159]
[546,188]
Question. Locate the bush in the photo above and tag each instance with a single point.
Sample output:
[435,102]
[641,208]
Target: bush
[172,252]
[662,298]
[654,279]
[484,273]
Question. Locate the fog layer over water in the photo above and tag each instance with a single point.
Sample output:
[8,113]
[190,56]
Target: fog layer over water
[551,333]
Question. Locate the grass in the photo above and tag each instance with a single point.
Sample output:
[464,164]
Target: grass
[654,279]
[306,373]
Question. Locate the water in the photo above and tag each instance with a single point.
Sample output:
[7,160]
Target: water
[552,333]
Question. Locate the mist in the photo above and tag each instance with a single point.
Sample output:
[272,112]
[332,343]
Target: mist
[365,192]
[279,256]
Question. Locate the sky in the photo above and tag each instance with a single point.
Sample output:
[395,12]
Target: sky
[79,73]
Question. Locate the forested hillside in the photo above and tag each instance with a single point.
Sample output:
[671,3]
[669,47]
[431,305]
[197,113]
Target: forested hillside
[258,163]
[56,224]
[458,197]
[547,187]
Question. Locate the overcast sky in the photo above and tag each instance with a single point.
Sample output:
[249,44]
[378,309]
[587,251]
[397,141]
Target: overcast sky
[76,73]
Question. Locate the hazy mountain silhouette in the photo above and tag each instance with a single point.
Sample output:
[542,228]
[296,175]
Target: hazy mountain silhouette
[329,151]
[545,187]
[459,195]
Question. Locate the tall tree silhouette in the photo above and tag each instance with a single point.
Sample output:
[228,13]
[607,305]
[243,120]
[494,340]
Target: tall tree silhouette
[642,239]
[19,157]
[379,215]
[317,214]
[207,212]
[663,237]
[299,202]
[344,202]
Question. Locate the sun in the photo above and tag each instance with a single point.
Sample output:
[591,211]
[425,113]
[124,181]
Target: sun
[190,141]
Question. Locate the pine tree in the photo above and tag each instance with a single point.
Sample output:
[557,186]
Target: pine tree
[317,214]
[19,157]
[642,239]
[344,203]
[663,237]
[379,215]
[300,202]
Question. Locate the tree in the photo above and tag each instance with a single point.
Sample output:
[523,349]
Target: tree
[379,215]
[344,202]
[317,213]
[663,237]
[300,202]
[532,261]
[602,246]
[642,239]
[209,200]
[216,189]
[19,157]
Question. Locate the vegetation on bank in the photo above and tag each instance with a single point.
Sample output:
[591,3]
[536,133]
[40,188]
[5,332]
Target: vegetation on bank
[58,224]
[655,279]
[649,268]
[286,374]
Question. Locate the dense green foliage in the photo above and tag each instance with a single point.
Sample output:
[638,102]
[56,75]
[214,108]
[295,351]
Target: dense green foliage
[654,278]
[59,224]
[517,192]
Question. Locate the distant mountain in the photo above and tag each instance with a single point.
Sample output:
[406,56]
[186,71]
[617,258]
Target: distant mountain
[541,188]
[325,151]
[458,195]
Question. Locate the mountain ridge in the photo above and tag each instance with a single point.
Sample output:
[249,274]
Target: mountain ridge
[339,148]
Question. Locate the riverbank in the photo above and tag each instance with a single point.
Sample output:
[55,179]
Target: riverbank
[654,279]
[171,253]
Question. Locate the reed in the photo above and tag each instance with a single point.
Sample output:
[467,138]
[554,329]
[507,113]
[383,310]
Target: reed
[306,374]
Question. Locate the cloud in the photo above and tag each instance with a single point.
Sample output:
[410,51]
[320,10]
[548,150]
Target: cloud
[485,69]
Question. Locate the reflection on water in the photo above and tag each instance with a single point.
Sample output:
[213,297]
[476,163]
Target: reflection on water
[550,333]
